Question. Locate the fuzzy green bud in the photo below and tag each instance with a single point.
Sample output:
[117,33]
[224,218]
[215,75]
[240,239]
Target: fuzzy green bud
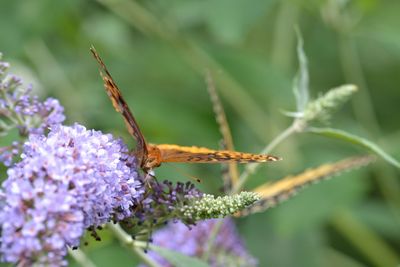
[322,108]
[209,206]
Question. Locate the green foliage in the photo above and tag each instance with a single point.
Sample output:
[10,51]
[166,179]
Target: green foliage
[251,49]
[353,139]
[178,259]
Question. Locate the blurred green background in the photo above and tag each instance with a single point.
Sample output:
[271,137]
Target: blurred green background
[158,51]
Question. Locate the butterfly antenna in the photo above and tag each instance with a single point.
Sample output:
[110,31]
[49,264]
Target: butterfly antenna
[194,178]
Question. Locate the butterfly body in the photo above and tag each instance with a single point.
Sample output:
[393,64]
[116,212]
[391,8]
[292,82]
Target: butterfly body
[150,156]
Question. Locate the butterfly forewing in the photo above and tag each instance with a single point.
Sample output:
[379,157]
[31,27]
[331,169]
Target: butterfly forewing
[151,156]
[193,154]
[122,107]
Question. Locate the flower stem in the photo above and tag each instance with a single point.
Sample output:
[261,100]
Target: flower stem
[144,257]
[135,246]
[81,258]
[17,120]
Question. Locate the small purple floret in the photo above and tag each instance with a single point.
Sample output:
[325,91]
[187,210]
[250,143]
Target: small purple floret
[19,109]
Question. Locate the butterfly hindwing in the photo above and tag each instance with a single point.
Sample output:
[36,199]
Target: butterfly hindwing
[274,193]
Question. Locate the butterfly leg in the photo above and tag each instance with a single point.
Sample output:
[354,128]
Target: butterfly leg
[150,180]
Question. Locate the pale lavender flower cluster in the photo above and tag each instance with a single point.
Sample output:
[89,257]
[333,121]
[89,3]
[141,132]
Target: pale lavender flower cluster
[227,249]
[66,182]
[18,109]
[71,179]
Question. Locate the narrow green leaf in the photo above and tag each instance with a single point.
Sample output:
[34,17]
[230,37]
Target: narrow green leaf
[354,139]
[300,87]
[375,249]
[178,259]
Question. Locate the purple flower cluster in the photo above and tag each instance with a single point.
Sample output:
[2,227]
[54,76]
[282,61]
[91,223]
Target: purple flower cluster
[168,197]
[162,202]
[18,109]
[228,249]
[71,179]
[66,182]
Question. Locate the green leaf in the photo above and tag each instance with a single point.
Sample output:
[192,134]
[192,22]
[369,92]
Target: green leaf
[354,139]
[300,88]
[178,259]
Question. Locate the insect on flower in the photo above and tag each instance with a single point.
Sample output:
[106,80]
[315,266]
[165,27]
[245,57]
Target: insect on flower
[150,155]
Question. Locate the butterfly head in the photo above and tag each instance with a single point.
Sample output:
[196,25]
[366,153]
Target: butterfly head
[153,158]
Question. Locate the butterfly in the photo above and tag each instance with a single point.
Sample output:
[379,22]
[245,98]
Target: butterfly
[150,156]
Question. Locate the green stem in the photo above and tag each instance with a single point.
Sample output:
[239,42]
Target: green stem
[135,246]
[366,241]
[145,258]
[81,258]
[4,126]
[251,168]
[17,120]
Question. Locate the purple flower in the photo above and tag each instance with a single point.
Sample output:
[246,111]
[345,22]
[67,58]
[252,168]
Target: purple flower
[228,249]
[66,182]
[8,153]
[18,109]
[162,202]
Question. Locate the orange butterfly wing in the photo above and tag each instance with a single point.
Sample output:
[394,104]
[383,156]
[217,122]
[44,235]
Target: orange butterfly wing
[151,156]
[276,192]
[193,154]
[122,107]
